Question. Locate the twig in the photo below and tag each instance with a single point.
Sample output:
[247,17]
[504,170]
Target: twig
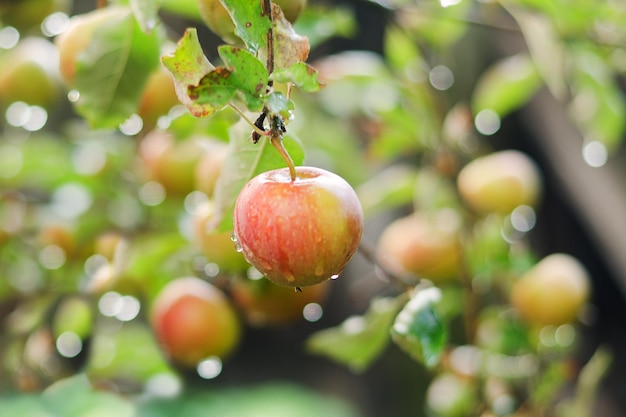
[407,279]
[267,9]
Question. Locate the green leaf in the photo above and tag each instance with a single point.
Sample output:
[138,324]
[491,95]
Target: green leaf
[391,188]
[506,86]
[300,74]
[113,70]
[268,399]
[278,103]
[418,330]
[146,13]
[188,65]
[339,21]
[243,74]
[400,49]
[359,340]
[598,104]
[251,24]
[187,8]
[75,397]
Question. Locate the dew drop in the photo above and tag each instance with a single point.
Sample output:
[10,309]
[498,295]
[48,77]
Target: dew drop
[233,237]
[238,247]
[334,277]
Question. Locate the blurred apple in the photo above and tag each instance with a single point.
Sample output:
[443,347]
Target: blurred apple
[157,98]
[26,15]
[450,395]
[210,166]
[267,304]
[29,73]
[500,182]
[553,291]
[170,162]
[423,243]
[193,320]
[218,247]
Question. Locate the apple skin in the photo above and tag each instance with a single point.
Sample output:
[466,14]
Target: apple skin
[553,291]
[194,320]
[218,247]
[217,19]
[426,244]
[76,38]
[500,182]
[266,304]
[301,232]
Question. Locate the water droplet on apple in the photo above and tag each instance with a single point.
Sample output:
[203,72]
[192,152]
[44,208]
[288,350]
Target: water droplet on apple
[233,237]
[289,276]
[238,247]
[334,277]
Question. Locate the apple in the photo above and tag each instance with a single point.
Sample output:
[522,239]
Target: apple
[298,232]
[25,15]
[157,98]
[60,236]
[219,21]
[76,38]
[553,291]
[424,243]
[210,166]
[194,320]
[450,395]
[29,73]
[170,162]
[218,247]
[500,182]
[107,243]
[266,304]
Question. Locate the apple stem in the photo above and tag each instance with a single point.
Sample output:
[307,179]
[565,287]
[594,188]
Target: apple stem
[259,131]
[277,141]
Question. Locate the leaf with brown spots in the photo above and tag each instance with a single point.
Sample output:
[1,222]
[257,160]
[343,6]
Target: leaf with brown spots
[188,65]
[299,74]
[289,47]
[244,75]
[251,24]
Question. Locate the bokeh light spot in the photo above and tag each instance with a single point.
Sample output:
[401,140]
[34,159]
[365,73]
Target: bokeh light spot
[210,367]
[487,122]
[312,312]
[595,154]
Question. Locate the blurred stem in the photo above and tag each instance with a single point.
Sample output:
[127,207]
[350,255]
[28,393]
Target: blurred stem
[258,130]
[101,4]
[581,404]
[470,312]
[367,250]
